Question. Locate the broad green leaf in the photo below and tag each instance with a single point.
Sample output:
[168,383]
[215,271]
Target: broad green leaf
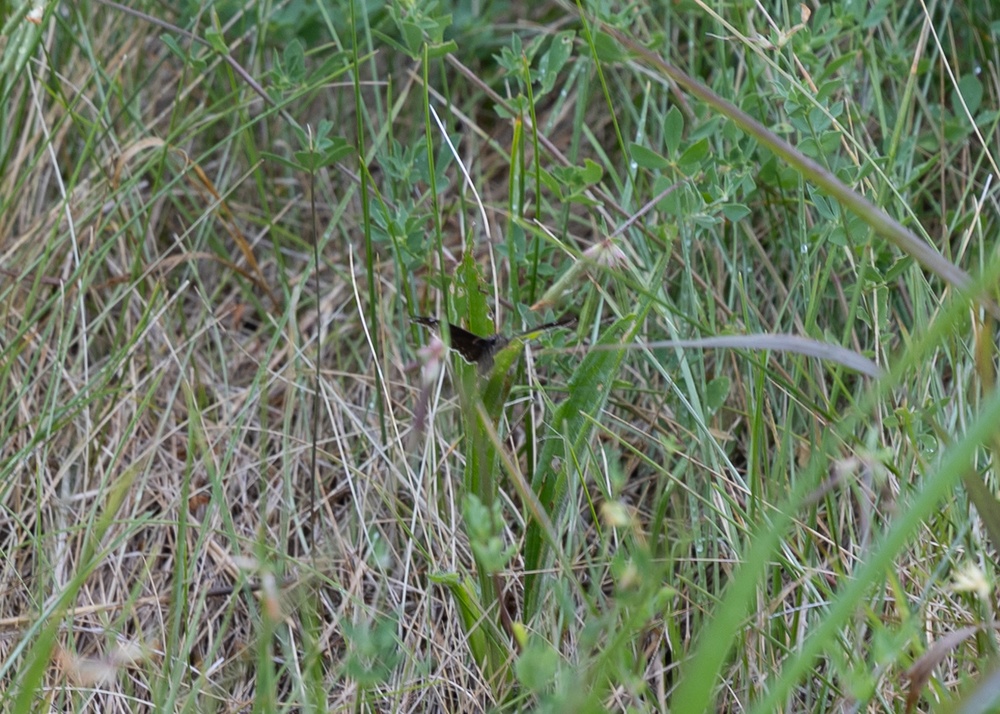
[690,161]
[971,91]
[647,158]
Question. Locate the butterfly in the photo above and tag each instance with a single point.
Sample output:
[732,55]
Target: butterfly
[480,350]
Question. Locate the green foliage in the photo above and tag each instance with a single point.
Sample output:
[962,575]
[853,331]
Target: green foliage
[484,525]
[420,27]
[372,651]
[588,391]
[233,474]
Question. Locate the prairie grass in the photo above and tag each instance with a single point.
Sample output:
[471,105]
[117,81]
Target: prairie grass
[752,471]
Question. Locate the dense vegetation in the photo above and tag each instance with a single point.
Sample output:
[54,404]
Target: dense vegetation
[750,470]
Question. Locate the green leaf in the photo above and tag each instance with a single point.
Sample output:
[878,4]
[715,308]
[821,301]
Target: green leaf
[509,58]
[735,211]
[574,179]
[827,209]
[172,45]
[716,393]
[692,158]
[518,106]
[537,666]
[971,90]
[608,50]
[673,130]
[554,60]
[372,651]
[471,302]
[674,203]
[293,61]
[484,525]
[393,43]
[327,150]
[591,173]
[197,63]
[647,158]
[217,41]
[440,49]
[413,37]
[283,160]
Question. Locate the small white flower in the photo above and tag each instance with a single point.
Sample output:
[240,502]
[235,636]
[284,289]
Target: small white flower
[970,579]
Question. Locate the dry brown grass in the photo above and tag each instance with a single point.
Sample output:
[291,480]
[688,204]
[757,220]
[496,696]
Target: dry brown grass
[153,396]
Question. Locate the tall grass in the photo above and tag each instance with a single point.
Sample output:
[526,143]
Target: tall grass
[754,474]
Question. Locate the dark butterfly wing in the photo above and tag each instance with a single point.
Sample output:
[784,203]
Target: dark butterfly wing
[480,350]
[473,348]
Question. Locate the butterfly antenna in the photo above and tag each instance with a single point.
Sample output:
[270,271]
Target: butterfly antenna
[565,322]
